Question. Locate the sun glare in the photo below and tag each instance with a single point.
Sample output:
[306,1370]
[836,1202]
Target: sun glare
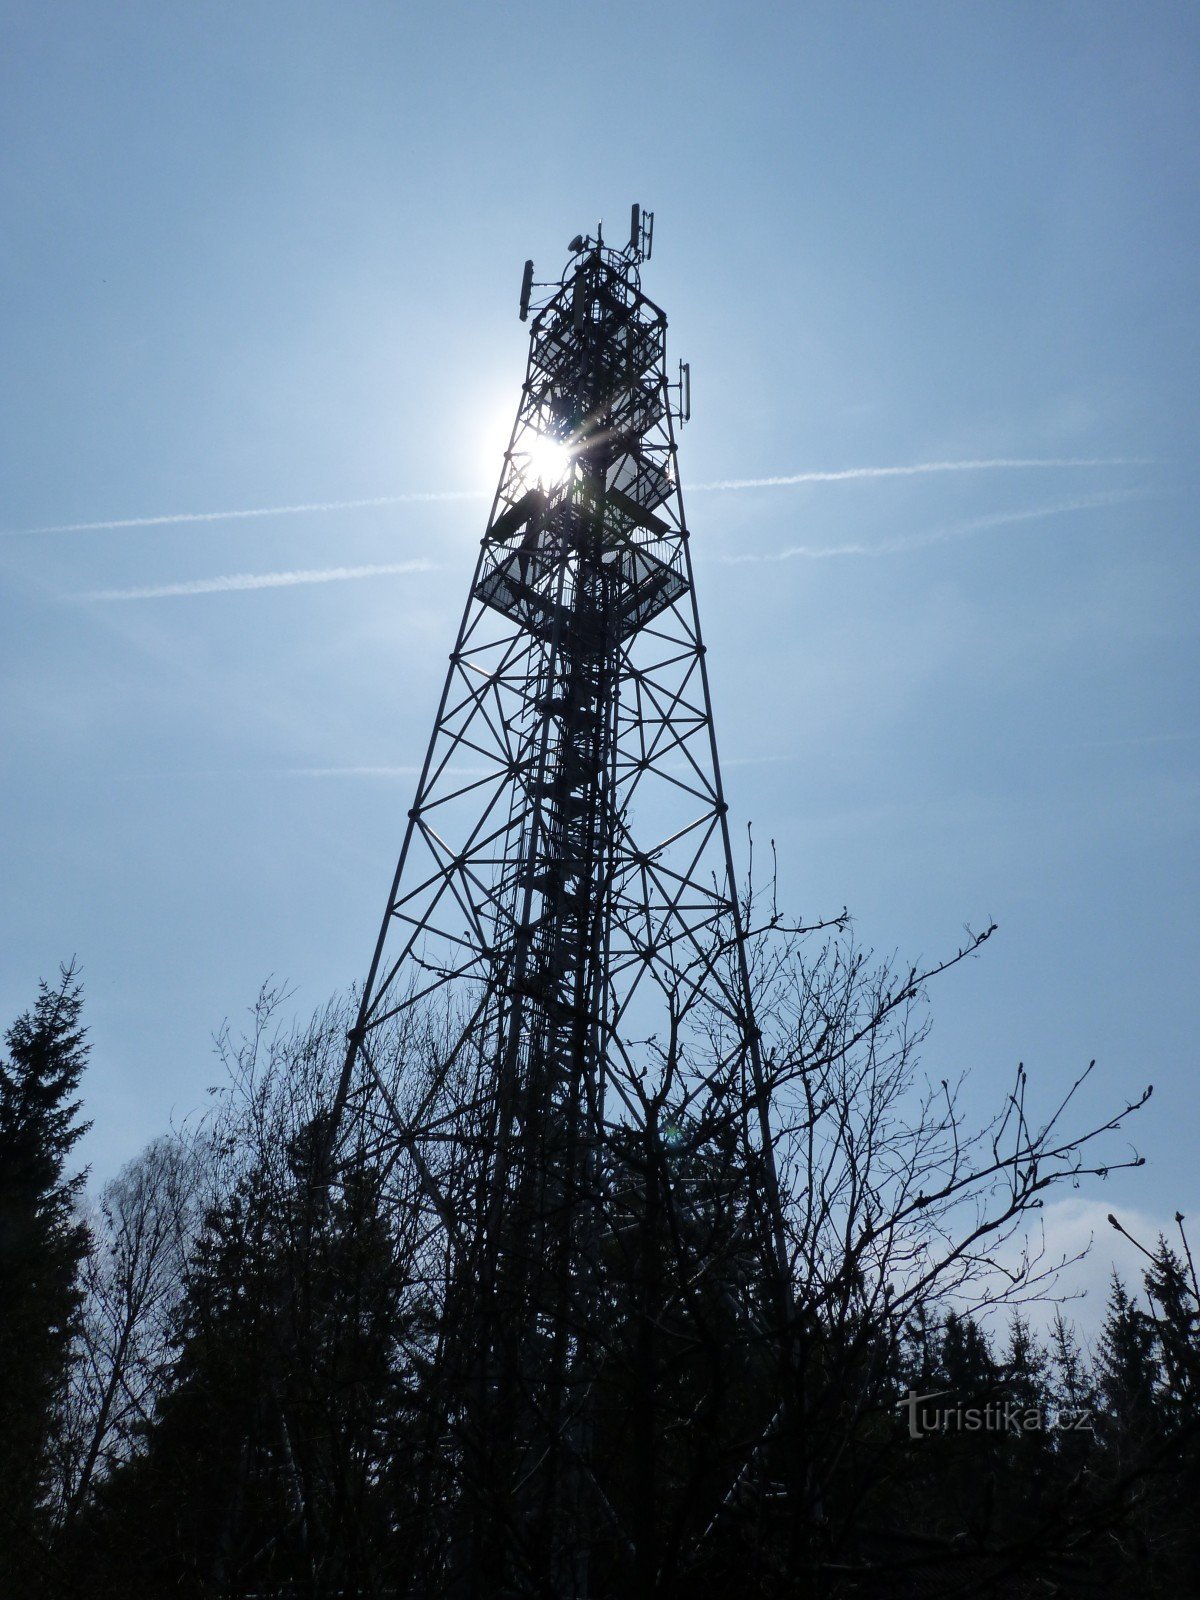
[549,462]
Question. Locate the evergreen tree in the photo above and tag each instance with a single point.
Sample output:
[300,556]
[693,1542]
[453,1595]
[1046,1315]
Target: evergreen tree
[1177,1335]
[1072,1397]
[42,1244]
[1130,1456]
[1172,1292]
[1127,1375]
[262,1467]
[1070,1387]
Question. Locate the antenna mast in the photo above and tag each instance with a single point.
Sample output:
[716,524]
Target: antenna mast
[558,997]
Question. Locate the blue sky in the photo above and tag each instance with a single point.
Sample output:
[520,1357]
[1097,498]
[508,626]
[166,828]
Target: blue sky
[268,256]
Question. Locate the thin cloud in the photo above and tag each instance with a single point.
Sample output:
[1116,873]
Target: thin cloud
[943,535]
[240,581]
[352,772]
[419,497]
[919,469]
[494,771]
[172,517]
[236,581]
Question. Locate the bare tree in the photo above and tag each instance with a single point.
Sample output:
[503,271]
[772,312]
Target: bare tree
[719,1402]
[142,1231]
[895,1207]
[749,1255]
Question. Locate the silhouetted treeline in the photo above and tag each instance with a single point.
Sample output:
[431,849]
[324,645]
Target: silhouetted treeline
[222,1378]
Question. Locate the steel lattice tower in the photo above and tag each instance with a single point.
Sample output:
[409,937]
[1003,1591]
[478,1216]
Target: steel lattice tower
[562,958]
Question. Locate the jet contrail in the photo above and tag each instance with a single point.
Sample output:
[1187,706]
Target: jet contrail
[389,772]
[258,580]
[419,497]
[233,582]
[917,470]
[352,772]
[170,518]
[932,536]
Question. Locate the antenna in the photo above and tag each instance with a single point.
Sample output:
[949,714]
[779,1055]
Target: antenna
[641,233]
[526,288]
[681,406]
[515,941]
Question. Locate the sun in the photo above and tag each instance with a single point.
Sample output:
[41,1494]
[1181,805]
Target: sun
[549,461]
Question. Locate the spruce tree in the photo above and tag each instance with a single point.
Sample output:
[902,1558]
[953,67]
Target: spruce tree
[263,1464]
[1127,1374]
[1171,1289]
[42,1243]
[1177,1330]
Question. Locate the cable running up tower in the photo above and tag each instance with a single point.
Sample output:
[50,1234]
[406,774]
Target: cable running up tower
[560,975]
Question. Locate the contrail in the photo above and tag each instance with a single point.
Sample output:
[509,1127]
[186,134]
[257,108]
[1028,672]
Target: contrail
[918,469]
[932,536]
[418,497]
[478,772]
[233,582]
[351,772]
[170,518]
[389,772]
[999,519]
[258,580]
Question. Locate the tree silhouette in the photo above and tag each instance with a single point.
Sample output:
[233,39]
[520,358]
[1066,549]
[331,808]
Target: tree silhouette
[42,1243]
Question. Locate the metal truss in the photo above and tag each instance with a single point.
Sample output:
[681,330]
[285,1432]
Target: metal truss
[561,954]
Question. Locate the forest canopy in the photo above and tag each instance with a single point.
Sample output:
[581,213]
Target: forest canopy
[223,1374]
